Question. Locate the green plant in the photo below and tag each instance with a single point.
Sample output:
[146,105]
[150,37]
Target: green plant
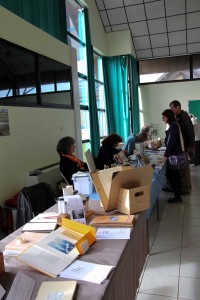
[154,131]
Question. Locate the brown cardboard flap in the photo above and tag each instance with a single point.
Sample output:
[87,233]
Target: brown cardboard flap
[127,177]
[2,270]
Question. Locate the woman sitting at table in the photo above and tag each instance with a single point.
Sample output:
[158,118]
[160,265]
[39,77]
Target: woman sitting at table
[69,163]
[108,150]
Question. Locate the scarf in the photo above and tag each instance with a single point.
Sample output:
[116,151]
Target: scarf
[74,159]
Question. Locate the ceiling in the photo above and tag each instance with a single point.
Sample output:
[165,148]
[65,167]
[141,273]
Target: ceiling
[159,28]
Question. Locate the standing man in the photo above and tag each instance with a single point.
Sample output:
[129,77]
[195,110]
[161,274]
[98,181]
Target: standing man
[187,127]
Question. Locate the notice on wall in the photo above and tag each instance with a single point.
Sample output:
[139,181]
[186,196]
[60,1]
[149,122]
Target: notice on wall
[4,122]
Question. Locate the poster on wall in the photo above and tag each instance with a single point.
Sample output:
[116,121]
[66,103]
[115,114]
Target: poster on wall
[4,122]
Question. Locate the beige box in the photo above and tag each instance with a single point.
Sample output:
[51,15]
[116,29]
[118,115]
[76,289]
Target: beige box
[134,200]
[110,183]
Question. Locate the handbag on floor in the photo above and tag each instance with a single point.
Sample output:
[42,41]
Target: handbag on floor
[180,161]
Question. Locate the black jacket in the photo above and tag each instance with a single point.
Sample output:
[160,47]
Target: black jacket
[105,156]
[187,129]
[172,141]
[69,167]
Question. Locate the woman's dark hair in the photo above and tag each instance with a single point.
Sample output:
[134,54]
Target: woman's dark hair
[64,145]
[170,116]
[112,139]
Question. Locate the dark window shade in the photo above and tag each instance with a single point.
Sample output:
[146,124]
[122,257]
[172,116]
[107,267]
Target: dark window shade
[163,65]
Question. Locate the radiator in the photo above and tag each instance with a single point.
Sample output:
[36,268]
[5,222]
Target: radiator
[49,174]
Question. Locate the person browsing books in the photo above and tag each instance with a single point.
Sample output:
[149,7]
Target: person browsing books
[69,163]
[173,147]
[108,150]
[133,138]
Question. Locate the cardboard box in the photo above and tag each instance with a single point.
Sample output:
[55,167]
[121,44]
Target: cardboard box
[134,200]
[2,270]
[109,182]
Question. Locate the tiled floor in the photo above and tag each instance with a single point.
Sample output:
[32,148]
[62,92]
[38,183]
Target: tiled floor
[172,271]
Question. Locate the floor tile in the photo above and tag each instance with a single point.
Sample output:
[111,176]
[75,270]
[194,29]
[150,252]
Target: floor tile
[191,230]
[167,239]
[189,268]
[191,222]
[159,285]
[189,288]
[191,241]
[166,266]
[190,253]
[169,251]
[169,229]
[153,297]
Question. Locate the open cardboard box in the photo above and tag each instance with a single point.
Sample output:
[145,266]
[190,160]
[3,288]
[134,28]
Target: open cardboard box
[118,188]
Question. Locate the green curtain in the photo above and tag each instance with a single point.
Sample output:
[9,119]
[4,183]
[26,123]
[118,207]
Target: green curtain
[115,71]
[135,97]
[94,123]
[48,15]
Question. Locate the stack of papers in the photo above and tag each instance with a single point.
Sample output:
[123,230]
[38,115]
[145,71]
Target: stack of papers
[82,270]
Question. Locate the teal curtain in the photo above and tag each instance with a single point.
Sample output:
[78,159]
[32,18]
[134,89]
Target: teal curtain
[94,123]
[48,15]
[135,97]
[115,71]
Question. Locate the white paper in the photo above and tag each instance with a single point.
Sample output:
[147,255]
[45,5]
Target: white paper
[76,208]
[22,287]
[2,291]
[82,270]
[106,233]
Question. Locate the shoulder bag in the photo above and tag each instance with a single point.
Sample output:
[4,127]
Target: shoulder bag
[180,161]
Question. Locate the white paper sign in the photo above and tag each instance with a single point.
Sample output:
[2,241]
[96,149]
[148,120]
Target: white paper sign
[76,208]
[82,270]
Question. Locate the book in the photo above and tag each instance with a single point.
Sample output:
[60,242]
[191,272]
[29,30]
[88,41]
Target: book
[113,221]
[63,290]
[46,218]
[22,242]
[39,227]
[52,254]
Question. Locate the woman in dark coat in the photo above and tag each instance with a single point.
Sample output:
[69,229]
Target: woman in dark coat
[108,150]
[173,147]
[69,163]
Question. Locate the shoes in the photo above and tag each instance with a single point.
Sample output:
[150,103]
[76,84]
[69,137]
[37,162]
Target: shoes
[174,200]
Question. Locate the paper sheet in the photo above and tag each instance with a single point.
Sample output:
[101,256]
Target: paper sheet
[82,270]
[113,233]
[22,287]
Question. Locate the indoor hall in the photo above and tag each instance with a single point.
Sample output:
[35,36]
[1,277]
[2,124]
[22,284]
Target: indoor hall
[172,267]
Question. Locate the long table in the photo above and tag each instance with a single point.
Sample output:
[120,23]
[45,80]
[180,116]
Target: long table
[128,257]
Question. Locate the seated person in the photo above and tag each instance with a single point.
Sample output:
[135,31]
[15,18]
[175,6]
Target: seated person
[141,137]
[107,150]
[69,163]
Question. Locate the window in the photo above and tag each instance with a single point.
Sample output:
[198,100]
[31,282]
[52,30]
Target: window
[164,69]
[76,39]
[28,78]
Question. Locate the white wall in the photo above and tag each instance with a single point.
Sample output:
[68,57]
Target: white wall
[34,132]
[119,43]
[156,97]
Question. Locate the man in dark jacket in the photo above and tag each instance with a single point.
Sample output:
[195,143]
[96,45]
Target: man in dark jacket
[189,138]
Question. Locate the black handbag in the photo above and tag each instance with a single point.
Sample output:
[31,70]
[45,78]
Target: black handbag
[180,161]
